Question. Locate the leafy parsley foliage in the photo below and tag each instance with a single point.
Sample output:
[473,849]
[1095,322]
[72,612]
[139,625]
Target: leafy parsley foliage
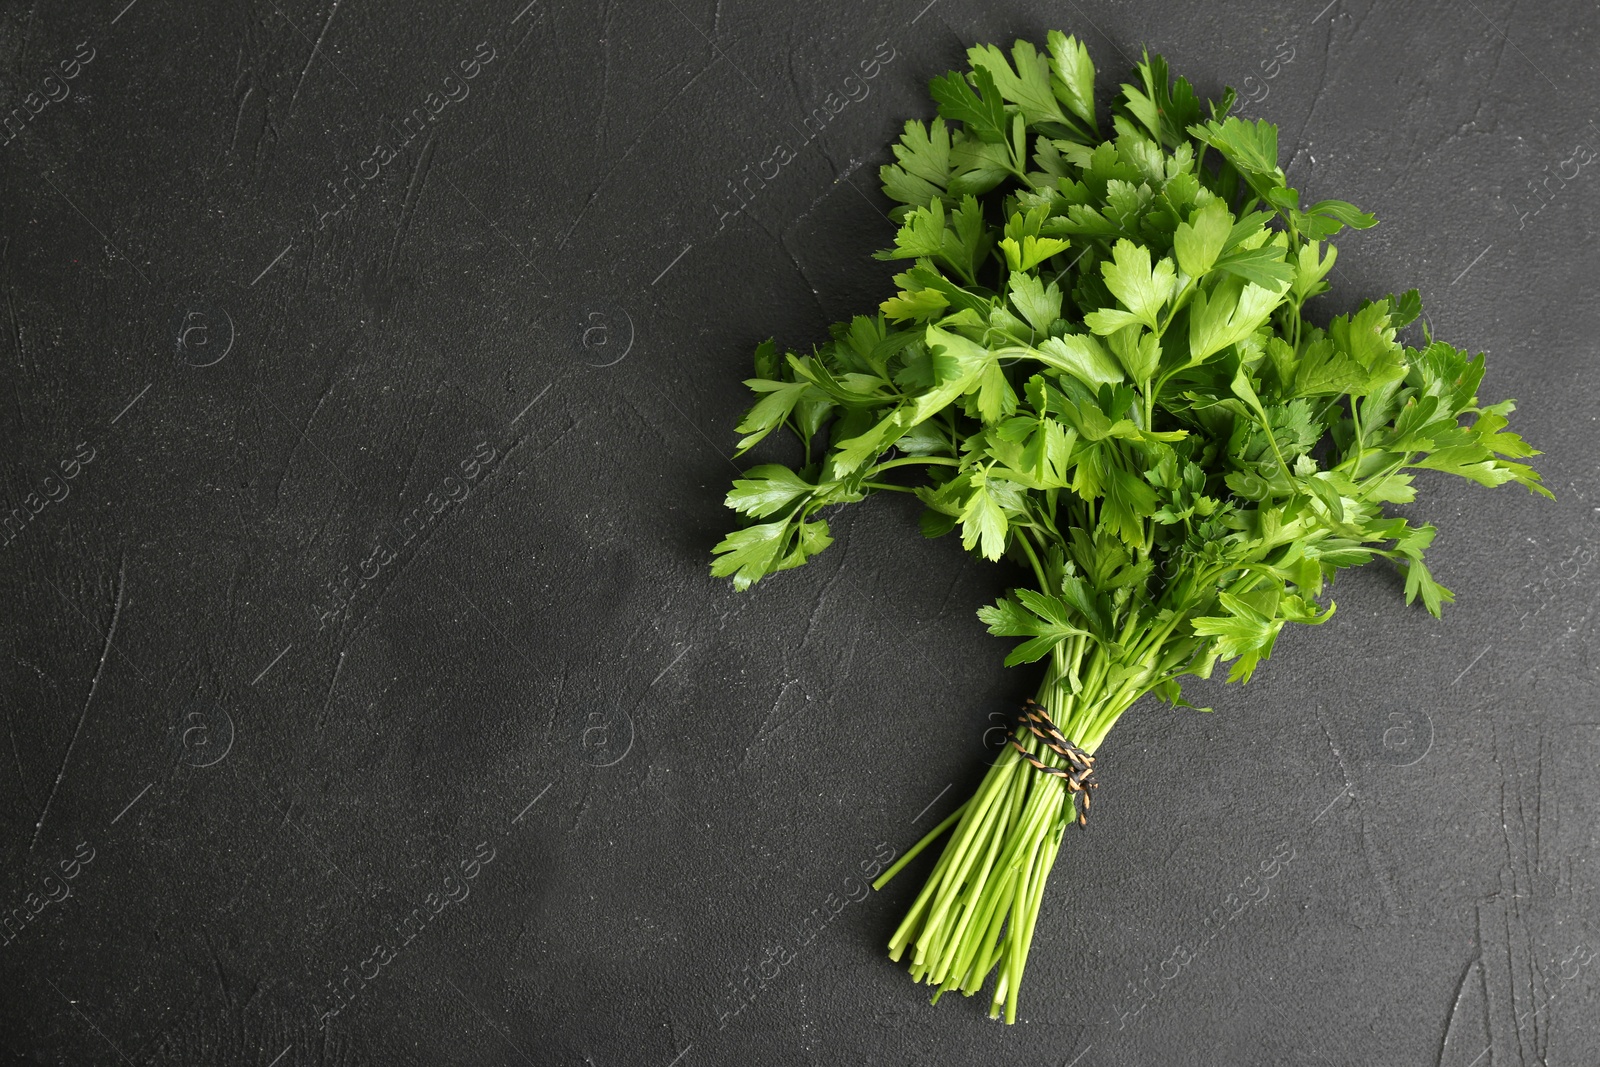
[1098,364]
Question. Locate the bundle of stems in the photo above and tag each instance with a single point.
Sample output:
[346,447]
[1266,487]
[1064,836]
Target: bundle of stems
[978,908]
[977,911]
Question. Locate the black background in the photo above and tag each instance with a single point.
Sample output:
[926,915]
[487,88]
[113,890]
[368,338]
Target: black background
[528,331]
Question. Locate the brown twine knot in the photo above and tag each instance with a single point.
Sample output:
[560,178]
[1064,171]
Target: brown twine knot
[1075,776]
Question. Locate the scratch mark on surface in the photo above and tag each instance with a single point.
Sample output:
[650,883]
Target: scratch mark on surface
[238,118]
[1350,791]
[1508,803]
[1380,875]
[131,803]
[899,627]
[1538,805]
[413,193]
[269,666]
[671,665]
[1510,910]
[1344,769]
[508,66]
[507,1037]
[105,650]
[288,463]
[16,324]
[1469,1006]
[720,53]
[388,685]
[295,26]
[327,699]
[674,263]
[931,803]
[1322,81]
[1471,665]
[845,177]
[1513,44]
[648,127]
[1488,1019]
[305,835]
[703,436]
[227,908]
[1361,21]
[410,554]
[602,111]
[650,423]
[532,802]
[800,267]
[274,263]
[827,587]
[416,451]
[1523,978]
[114,246]
[532,402]
[1499,55]
[496,230]
[1474,263]
[21,779]
[315,48]
[27,34]
[68,601]
[1342,794]
[944,604]
[1108,38]
[74,1004]
[132,402]
[222,977]
[762,733]
[501,633]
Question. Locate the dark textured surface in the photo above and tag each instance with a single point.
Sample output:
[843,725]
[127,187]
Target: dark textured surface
[386,566]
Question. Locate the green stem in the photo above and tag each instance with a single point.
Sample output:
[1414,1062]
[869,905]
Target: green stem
[1028,916]
[1038,568]
[976,913]
[929,838]
[939,461]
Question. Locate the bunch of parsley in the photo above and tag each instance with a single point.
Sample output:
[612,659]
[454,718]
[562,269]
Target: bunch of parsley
[1098,366]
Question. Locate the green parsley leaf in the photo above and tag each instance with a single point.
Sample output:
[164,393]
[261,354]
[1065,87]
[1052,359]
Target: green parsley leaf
[972,100]
[1199,241]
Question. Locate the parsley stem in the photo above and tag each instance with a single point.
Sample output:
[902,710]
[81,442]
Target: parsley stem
[1038,569]
[938,461]
[929,838]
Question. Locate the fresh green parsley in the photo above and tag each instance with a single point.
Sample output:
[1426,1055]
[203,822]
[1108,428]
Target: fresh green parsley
[1098,364]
